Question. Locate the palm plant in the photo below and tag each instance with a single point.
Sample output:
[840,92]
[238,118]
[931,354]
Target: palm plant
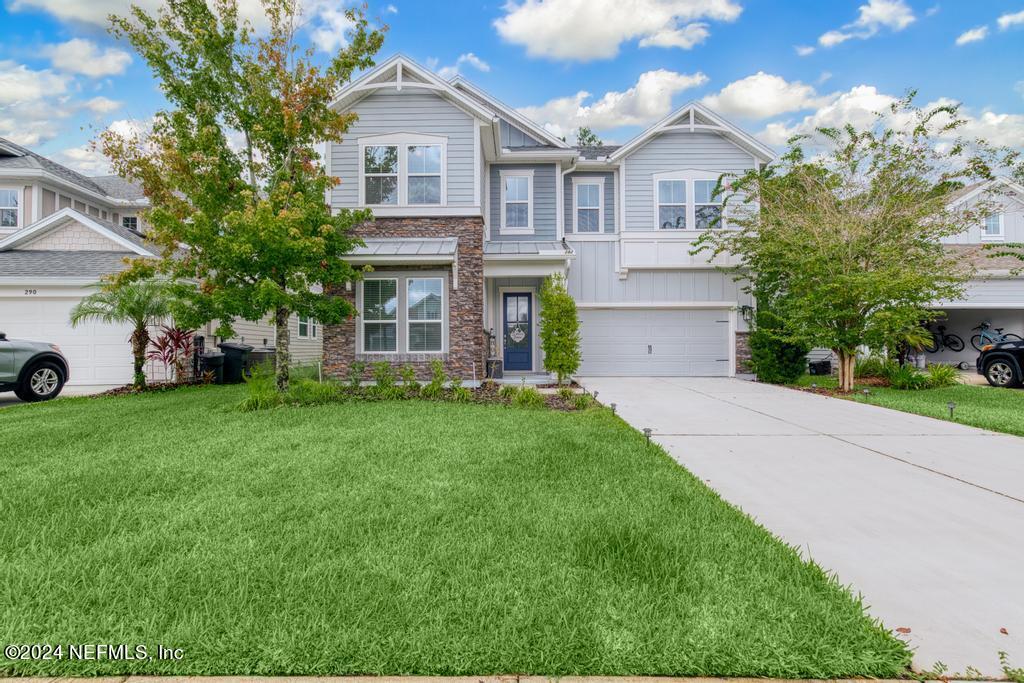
[141,304]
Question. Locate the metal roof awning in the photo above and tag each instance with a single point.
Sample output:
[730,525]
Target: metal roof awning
[405,250]
[527,251]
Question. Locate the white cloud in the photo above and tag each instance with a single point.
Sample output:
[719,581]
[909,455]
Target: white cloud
[80,56]
[647,101]
[329,23]
[763,95]
[594,29]
[1008,20]
[932,11]
[973,35]
[391,9]
[97,11]
[19,83]
[895,15]
[825,76]
[84,159]
[102,105]
[804,50]
[450,72]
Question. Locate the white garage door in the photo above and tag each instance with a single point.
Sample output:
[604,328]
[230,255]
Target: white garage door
[652,343]
[97,353]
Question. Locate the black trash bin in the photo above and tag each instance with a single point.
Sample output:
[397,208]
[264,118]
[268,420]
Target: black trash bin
[213,361]
[261,357]
[235,356]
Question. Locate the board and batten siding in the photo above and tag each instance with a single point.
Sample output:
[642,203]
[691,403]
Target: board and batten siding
[544,217]
[609,198]
[674,151]
[408,111]
[1013,224]
[514,137]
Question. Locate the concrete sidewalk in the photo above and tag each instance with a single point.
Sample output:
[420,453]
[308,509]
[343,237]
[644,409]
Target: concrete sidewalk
[923,517]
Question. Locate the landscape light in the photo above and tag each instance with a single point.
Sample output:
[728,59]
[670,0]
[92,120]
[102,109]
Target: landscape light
[952,407]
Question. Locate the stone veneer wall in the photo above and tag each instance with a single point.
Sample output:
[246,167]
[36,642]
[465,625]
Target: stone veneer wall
[466,345]
[743,365]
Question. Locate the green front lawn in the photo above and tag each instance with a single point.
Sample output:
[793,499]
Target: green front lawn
[1001,410]
[395,538]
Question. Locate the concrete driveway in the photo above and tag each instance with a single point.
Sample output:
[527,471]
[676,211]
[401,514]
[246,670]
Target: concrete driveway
[8,398]
[924,518]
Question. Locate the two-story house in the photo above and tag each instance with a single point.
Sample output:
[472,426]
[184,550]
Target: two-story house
[475,205]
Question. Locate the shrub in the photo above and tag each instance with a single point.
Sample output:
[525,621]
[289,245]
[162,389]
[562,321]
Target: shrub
[906,377]
[310,371]
[582,401]
[308,392]
[409,383]
[355,374]
[775,357]
[528,397]
[261,386]
[508,391]
[559,328]
[461,394]
[873,366]
[566,393]
[942,376]
[435,387]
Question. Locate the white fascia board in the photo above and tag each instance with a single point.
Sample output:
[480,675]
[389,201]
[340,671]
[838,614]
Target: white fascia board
[65,214]
[510,113]
[53,179]
[541,155]
[660,305]
[520,269]
[25,280]
[1019,189]
[528,258]
[425,211]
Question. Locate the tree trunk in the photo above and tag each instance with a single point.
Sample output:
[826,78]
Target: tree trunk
[847,360]
[284,358]
[140,340]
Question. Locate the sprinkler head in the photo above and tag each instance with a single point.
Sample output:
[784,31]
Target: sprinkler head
[647,433]
[814,385]
[952,407]
[613,408]
[867,392]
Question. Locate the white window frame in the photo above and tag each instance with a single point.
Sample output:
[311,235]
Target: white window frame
[312,327]
[689,179]
[403,141]
[687,205]
[124,225]
[576,207]
[409,321]
[20,208]
[720,204]
[364,322]
[517,173]
[994,236]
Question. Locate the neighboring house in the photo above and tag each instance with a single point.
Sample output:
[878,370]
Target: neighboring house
[60,232]
[475,205]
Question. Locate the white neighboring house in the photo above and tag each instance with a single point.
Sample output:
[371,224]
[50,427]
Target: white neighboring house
[60,232]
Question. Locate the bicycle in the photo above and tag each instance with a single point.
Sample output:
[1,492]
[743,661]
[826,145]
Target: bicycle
[942,340]
[985,337]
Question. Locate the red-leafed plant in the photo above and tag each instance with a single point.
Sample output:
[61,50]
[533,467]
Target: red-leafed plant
[174,348]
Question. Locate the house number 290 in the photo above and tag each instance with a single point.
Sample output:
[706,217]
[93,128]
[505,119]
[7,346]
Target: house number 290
[31,292]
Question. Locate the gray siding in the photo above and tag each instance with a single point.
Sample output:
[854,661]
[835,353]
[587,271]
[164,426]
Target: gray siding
[592,279]
[609,199]
[406,111]
[544,217]
[512,137]
[253,333]
[1013,223]
[674,152]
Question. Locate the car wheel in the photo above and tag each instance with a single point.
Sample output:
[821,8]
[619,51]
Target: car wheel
[1001,373]
[42,382]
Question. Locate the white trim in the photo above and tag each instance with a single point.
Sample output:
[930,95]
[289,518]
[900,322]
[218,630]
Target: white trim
[409,321]
[559,202]
[517,173]
[361,341]
[970,305]
[476,162]
[592,237]
[690,178]
[19,194]
[37,204]
[582,182]
[510,113]
[312,326]
[23,173]
[997,236]
[494,269]
[660,305]
[68,213]
[983,187]
[402,140]
[424,210]
[535,350]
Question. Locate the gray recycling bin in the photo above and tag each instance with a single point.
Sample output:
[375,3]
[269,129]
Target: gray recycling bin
[213,361]
[235,356]
[261,357]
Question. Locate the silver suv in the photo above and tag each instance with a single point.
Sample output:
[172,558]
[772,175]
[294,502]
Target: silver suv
[35,371]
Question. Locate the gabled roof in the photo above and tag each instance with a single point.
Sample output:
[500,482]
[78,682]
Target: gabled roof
[969,192]
[695,117]
[131,241]
[116,186]
[508,113]
[398,73]
[63,264]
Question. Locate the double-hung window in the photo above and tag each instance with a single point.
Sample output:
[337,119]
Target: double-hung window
[380,315]
[671,204]
[307,327]
[425,306]
[589,210]
[424,174]
[707,206]
[9,208]
[380,174]
[516,202]
[993,227]
[131,223]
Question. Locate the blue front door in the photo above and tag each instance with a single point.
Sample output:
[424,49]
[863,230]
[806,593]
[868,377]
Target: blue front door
[518,331]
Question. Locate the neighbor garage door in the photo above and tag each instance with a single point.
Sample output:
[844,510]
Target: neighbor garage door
[97,353]
[625,342]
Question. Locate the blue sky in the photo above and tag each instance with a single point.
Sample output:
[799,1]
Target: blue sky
[772,67]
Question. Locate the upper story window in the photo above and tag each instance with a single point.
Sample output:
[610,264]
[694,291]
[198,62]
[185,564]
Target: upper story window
[130,222]
[10,211]
[672,204]
[993,227]
[588,212]
[402,169]
[686,200]
[517,201]
[307,327]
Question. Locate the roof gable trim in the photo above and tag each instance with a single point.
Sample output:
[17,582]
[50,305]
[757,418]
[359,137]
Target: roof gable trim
[55,220]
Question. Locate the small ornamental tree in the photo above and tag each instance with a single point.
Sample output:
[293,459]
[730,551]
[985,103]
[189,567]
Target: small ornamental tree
[231,167]
[559,328]
[850,238]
